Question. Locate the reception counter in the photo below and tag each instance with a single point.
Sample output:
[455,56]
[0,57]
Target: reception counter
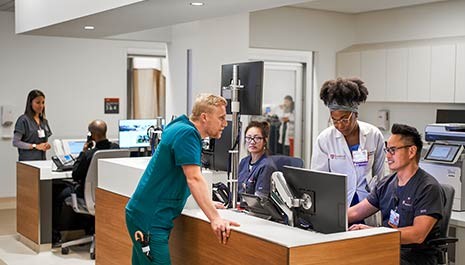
[34,202]
[256,241]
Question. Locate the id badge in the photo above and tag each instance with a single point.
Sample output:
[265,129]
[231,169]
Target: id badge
[394,219]
[360,157]
[41,133]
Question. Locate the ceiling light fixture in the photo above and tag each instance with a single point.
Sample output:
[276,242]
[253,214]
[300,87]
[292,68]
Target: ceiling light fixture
[197,4]
[89,27]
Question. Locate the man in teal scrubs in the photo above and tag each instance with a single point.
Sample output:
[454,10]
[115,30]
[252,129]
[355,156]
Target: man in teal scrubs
[171,176]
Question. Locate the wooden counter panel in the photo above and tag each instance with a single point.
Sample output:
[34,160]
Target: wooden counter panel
[27,201]
[379,249]
[193,242]
[113,245]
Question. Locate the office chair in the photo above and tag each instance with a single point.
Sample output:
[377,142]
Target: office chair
[86,205]
[282,160]
[441,243]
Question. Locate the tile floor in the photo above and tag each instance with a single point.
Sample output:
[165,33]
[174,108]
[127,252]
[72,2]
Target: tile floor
[13,252]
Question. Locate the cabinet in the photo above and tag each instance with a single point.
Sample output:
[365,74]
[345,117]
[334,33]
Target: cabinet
[428,73]
[442,73]
[419,74]
[460,74]
[373,72]
[396,74]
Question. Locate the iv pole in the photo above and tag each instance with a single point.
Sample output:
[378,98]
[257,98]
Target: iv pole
[235,86]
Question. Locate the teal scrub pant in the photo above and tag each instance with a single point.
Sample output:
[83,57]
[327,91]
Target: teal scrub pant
[159,248]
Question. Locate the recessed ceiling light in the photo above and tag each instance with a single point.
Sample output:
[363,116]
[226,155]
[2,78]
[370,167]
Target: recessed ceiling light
[197,4]
[89,27]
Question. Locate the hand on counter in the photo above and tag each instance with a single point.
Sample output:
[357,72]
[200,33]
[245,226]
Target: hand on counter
[222,229]
[359,227]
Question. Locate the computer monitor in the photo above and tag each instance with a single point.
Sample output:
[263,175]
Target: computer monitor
[216,153]
[73,146]
[133,133]
[328,210]
[450,116]
[250,75]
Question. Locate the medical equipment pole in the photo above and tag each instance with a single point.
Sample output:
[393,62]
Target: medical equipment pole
[235,108]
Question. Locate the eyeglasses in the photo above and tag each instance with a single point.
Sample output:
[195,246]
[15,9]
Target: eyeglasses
[392,150]
[256,139]
[343,121]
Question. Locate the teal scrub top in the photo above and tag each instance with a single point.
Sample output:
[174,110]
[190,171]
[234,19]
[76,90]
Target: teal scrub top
[162,191]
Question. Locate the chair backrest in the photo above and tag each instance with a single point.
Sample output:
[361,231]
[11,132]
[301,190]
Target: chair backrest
[92,174]
[449,192]
[282,160]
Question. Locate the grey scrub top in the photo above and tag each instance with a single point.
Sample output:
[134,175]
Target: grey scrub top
[28,128]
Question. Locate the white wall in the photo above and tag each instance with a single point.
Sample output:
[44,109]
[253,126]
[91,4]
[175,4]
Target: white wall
[213,42]
[309,30]
[328,32]
[75,75]
[424,22]
[414,114]
[437,20]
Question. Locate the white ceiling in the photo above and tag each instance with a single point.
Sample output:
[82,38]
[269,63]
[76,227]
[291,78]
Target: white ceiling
[360,6]
[156,14]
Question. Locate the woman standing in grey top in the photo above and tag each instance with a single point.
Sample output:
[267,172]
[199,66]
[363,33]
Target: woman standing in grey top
[32,130]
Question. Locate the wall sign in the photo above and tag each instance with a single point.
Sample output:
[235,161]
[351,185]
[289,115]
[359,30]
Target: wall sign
[111,105]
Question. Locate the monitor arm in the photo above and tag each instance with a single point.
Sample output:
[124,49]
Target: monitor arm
[283,197]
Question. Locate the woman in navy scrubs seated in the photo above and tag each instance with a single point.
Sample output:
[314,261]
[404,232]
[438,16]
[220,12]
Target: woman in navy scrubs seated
[255,169]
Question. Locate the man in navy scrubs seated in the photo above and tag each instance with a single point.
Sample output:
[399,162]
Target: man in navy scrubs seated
[410,200]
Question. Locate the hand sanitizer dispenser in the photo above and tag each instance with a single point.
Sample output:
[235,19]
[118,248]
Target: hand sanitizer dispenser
[7,116]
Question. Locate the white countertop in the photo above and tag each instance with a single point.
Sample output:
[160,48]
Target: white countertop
[457,219]
[282,234]
[121,176]
[45,167]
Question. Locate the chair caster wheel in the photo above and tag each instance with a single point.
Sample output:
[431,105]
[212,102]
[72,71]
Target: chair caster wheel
[65,250]
[92,256]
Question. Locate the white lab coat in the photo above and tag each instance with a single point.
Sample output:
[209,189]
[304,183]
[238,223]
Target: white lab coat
[331,154]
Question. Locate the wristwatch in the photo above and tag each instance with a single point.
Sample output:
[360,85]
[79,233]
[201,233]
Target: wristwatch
[34,146]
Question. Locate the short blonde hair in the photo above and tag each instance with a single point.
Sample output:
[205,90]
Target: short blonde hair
[204,103]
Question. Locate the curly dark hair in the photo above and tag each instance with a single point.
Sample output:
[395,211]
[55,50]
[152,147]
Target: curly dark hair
[410,136]
[344,91]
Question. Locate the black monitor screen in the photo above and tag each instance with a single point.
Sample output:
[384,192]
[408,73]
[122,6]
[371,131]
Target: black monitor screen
[133,133]
[250,75]
[450,116]
[216,153]
[328,212]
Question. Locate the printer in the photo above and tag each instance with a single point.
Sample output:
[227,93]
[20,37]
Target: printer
[444,157]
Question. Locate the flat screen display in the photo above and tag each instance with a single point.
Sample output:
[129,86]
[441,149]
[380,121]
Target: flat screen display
[75,147]
[327,212]
[444,152]
[250,75]
[133,133]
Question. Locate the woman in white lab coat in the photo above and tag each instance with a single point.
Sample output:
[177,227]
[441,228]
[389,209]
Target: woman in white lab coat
[349,146]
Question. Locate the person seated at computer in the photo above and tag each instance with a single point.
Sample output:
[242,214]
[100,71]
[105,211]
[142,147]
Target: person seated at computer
[97,133]
[410,200]
[255,169]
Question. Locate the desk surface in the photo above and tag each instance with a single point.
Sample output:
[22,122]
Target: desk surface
[284,235]
[45,167]
[458,219]
[126,172]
